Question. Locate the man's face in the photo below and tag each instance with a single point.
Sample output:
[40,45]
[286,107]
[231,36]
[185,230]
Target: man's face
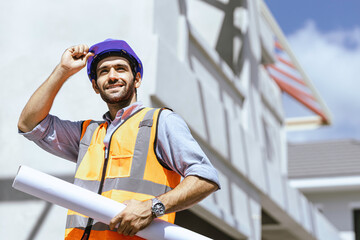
[115,81]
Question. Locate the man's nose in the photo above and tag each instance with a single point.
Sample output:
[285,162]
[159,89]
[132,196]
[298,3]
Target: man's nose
[112,74]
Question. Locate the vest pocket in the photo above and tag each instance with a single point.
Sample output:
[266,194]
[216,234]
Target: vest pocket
[119,166]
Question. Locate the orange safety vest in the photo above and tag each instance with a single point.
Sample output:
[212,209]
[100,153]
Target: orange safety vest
[129,170]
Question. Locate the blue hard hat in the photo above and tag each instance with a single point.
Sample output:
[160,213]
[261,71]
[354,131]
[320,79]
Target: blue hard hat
[112,47]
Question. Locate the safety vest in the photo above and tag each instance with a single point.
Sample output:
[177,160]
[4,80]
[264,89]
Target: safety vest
[128,169]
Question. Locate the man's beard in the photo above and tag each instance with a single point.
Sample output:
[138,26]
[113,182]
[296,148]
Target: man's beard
[124,96]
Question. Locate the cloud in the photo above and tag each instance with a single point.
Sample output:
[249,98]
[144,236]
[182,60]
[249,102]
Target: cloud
[332,62]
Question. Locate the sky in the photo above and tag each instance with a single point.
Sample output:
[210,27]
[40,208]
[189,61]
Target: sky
[325,38]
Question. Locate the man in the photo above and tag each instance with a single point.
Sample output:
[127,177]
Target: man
[135,156]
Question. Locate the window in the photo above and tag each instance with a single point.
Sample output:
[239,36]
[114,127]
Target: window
[270,142]
[356,214]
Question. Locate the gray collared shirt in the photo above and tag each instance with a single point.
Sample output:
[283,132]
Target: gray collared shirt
[175,145]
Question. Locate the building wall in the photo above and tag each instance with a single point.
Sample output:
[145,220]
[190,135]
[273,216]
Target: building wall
[338,207]
[204,59]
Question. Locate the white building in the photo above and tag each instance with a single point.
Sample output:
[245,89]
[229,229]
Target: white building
[208,61]
[328,173]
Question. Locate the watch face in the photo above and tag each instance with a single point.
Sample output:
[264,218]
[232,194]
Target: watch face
[159,209]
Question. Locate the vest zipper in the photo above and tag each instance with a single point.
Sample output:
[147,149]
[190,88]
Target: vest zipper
[87,231]
[104,168]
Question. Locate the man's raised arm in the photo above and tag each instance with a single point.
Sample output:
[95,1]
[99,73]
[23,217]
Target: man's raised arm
[39,105]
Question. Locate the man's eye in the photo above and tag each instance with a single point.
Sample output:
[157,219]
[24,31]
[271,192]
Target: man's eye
[103,71]
[120,69]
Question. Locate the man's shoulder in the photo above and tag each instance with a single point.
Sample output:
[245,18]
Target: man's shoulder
[166,111]
[169,119]
[167,114]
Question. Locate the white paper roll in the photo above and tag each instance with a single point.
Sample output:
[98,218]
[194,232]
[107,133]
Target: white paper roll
[100,208]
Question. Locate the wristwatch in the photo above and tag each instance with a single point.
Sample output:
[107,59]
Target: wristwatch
[157,208]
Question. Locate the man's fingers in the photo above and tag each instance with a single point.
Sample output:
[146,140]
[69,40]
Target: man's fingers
[114,222]
[127,229]
[79,51]
[89,54]
[133,232]
[75,50]
[134,217]
[122,227]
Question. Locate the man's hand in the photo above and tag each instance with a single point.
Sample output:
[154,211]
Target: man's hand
[136,216]
[39,105]
[75,58]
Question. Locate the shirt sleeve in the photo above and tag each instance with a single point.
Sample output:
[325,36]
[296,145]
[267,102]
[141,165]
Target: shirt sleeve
[56,136]
[178,149]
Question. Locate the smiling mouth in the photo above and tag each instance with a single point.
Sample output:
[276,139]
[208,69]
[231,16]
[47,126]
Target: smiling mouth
[114,86]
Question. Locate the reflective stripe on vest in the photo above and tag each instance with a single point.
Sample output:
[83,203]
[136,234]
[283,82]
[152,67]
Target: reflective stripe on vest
[132,168]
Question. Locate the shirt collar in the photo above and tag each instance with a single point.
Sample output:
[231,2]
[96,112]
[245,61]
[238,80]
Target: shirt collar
[124,113]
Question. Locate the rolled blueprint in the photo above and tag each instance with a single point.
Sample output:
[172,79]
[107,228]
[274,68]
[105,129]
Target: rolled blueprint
[88,203]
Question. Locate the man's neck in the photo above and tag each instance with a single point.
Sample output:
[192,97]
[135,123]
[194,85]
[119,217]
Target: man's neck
[114,108]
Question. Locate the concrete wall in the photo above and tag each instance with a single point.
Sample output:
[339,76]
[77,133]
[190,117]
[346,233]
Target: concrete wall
[201,58]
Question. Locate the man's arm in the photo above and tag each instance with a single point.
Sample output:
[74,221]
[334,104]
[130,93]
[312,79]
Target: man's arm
[40,103]
[190,191]
[137,215]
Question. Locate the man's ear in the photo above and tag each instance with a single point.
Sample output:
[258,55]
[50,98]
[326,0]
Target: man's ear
[95,86]
[137,80]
